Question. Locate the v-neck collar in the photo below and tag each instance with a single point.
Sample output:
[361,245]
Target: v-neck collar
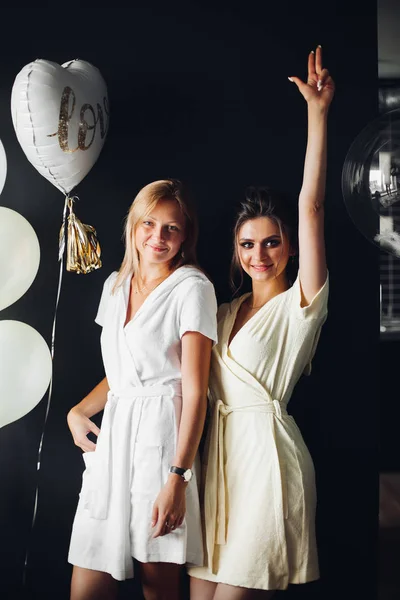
[126,290]
[232,320]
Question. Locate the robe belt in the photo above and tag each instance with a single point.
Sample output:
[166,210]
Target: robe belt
[100,470]
[215,499]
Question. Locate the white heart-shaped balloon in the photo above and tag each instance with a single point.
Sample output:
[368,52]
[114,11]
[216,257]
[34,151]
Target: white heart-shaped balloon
[60,115]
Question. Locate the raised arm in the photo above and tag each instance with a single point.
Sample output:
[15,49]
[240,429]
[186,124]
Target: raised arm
[318,93]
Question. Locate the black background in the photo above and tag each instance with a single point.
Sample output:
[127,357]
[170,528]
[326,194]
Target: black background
[197,91]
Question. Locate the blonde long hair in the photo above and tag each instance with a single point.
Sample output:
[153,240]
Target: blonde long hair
[145,201]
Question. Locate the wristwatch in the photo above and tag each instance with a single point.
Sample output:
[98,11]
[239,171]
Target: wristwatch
[186,474]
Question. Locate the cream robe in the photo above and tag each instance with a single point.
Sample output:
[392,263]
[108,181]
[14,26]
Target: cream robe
[259,497]
[139,429]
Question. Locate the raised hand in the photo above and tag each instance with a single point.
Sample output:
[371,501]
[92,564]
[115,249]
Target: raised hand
[320,87]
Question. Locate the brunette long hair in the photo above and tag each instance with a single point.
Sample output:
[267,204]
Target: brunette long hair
[265,202]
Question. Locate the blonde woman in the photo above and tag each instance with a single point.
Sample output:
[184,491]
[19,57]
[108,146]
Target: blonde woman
[139,495]
[259,500]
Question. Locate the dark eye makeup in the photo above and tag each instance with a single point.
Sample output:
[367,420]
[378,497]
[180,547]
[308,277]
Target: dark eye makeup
[271,242]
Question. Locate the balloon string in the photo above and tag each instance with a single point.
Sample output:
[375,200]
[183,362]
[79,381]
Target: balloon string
[62,244]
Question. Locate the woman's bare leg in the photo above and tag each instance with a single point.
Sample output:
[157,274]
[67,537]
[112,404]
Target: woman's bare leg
[201,589]
[161,581]
[92,585]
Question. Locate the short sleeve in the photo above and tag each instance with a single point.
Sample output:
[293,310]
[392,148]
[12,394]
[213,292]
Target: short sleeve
[313,316]
[199,310]
[317,333]
[107,290]
[317,308]
[222,311]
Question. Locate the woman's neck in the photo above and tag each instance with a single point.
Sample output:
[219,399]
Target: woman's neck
[264,291]
[149,272]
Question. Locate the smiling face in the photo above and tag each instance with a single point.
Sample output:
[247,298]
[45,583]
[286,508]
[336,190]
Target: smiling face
[263,250]
[159,235]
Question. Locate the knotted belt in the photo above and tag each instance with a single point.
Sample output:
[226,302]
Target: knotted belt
[215,490]
[100,472]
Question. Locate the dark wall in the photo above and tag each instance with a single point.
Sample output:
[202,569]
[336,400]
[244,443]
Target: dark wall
[389,454]
[200,93]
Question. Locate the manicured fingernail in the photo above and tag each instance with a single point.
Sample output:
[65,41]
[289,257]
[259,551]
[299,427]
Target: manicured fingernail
[153,523]
[319,85]
[319,46]
[312,52]
[290,78]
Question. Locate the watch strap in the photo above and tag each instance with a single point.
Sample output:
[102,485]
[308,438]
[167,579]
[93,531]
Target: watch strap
[177,471]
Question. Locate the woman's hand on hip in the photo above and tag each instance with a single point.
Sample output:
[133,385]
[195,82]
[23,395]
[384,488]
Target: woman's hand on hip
[170,507]
[79,426]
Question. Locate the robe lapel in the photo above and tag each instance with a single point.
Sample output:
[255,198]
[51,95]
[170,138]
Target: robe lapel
[159,295]
[123,301]
[231,370]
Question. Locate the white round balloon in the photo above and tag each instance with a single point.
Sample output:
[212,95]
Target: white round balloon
[19,256]
[60,115]
[25,370]
[3,167]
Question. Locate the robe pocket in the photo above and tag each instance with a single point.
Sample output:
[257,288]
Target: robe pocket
[147,472]
[284,483]
[85,491]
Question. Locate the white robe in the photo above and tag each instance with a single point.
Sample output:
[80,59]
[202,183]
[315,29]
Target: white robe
[260,496]
[139,428]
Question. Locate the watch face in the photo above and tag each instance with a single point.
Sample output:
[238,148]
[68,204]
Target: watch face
[187,476]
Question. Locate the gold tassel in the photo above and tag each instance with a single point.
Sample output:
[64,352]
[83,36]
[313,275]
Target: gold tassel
[83,248]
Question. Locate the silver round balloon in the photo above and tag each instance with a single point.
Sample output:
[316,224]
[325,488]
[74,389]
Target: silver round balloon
[371,182]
